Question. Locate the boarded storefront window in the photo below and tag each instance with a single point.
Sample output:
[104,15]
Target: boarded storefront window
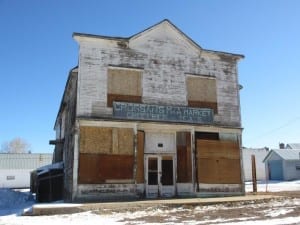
[202,92]
[218,162]
[106,154]
[123,85]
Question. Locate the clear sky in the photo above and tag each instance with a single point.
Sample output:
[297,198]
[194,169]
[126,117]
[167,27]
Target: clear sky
[37,51]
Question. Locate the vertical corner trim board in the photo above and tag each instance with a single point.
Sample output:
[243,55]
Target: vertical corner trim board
[218,162]
[140,157]
[184,160]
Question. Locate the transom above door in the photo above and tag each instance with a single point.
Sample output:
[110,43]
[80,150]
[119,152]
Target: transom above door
[160,143]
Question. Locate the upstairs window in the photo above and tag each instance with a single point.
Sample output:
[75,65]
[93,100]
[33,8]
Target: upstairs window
[124,85]
[202,92]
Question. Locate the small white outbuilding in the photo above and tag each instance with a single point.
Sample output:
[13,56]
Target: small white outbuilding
[15,168]
[283,164]
[260,154]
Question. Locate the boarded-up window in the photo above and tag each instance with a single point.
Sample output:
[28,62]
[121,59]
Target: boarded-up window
[96,140]
[106,140]
[123,85]
[106,154]
[218,162]
[202,92]
[184,161]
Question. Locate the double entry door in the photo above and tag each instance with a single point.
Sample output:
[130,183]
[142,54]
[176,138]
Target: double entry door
[160,176]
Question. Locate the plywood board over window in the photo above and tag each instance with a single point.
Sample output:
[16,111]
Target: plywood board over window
[106,140]
[106,155]
[218,162]
[99,169]
[96,140]
[123,85]
[202,92]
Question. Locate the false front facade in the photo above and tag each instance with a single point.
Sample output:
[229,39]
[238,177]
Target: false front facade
[153,115]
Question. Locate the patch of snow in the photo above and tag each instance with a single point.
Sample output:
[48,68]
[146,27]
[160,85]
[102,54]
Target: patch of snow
[278,212]
[56,205]
[14,201]
[282,221]
[274,186]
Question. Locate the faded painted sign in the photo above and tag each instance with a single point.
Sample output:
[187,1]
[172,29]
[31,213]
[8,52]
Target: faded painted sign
[135,111]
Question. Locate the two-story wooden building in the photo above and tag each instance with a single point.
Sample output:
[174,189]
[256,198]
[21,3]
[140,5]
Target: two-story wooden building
[152,115]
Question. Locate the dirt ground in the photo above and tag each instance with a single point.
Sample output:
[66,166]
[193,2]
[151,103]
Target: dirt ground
[287,205]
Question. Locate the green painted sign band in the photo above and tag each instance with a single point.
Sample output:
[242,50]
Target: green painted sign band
[135,111]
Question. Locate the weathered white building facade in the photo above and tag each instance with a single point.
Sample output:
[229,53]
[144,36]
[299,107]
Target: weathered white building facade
[152,115]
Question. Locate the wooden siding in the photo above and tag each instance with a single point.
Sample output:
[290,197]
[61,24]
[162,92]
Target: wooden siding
[166,58]
[218,162]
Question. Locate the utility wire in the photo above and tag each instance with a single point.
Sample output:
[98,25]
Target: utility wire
[276,129]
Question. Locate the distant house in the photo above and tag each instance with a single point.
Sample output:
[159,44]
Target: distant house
[260,154]
[15,168]
[293,146]
[283,164]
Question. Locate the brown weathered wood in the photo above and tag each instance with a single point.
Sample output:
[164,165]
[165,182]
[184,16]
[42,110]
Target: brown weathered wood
[103,140]
[218,149]
[202,104]
[189,168]
[122,98]
[219,171]
[97,168]
[125,141]
[254,181]
[140,157]
[96,140]
[184,162]
[124,81]
[218,162]
[202,92]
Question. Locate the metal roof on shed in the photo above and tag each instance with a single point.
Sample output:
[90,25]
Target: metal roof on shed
[24,161]
[285,154]
[293,145]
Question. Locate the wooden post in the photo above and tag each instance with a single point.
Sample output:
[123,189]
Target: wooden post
[254,182]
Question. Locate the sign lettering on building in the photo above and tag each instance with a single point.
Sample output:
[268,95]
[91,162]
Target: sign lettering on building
[135,111]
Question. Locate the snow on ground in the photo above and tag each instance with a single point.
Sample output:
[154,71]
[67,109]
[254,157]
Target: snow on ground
[14,202]
[274,186]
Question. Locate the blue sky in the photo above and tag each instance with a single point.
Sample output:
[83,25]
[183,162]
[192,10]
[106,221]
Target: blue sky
[37,51]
